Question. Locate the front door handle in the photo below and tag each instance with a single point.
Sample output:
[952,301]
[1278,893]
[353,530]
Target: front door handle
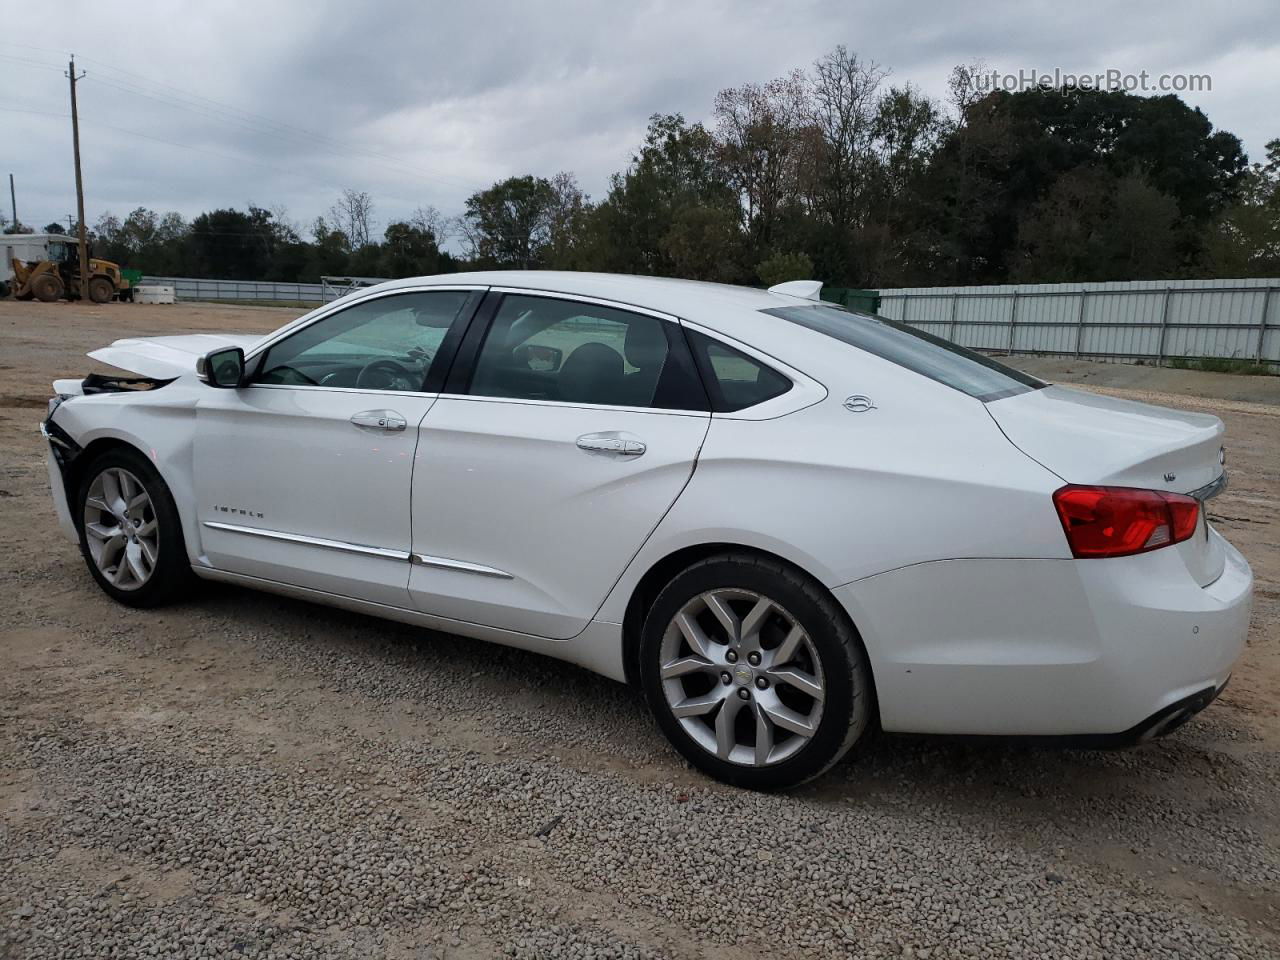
[387,421]
[618,444]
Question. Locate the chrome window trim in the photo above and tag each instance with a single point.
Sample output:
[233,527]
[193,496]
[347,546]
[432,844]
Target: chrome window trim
[363,391]
[343,303]
[426,560]
[568,404]
[579,298]
[402,555]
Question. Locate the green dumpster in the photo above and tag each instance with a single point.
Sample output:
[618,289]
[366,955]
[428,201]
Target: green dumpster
[855,298]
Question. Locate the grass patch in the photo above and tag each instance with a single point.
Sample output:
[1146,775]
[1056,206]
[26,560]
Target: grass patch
[1247,368]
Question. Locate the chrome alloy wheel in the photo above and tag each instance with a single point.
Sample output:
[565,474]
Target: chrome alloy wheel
[742,677]
[121,529]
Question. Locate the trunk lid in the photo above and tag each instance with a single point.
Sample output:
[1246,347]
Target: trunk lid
[1088,438]
[165,357]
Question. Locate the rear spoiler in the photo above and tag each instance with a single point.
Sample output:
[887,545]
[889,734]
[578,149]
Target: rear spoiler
[804,289]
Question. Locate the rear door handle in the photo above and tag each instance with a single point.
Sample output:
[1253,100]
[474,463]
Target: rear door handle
[617,444]
[387,421]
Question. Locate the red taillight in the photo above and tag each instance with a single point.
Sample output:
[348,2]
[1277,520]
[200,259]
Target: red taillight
[1119,521]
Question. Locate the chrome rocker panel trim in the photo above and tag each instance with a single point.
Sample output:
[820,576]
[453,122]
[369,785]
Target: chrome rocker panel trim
[421,559]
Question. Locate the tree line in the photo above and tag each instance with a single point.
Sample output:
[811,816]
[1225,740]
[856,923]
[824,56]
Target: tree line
[832,172]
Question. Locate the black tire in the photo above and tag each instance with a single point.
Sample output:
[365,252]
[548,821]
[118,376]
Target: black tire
[170,578]
[46,288]
[101,290]
[849,694]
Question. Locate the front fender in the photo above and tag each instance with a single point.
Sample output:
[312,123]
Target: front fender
[160,431]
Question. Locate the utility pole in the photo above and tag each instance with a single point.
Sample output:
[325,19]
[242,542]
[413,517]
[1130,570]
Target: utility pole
[75,142]
[13,202]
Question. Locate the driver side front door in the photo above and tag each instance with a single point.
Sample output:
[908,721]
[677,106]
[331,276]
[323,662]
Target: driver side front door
[303,476]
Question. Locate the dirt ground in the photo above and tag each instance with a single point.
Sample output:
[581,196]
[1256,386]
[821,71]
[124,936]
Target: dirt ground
[269,727]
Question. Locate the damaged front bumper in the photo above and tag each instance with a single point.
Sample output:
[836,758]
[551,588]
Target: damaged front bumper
[62,453]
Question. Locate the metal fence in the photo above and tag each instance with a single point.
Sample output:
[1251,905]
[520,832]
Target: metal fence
[1151,320]
[265,291]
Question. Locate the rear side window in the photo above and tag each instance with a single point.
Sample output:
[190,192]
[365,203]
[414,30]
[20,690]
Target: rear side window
[969,372]
[543,348]
[734,380]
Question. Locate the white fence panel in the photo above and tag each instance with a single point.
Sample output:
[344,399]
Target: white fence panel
[193,288]
[1142,320]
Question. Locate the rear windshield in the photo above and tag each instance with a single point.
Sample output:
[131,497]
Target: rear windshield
[972,373]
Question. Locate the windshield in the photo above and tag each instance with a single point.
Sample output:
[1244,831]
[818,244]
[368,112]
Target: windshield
[969,372]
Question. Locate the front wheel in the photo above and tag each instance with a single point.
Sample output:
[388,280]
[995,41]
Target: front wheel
[101,290]
[130,534]
[46,288]
[754,672]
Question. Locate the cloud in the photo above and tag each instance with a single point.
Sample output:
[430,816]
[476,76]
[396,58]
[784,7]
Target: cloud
[224,102]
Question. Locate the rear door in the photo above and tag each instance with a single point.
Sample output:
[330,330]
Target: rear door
[567,430]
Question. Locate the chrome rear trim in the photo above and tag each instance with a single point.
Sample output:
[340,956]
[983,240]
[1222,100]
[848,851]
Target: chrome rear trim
[460,565]
[1210,490]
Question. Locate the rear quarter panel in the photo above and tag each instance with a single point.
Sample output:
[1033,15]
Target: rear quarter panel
[925,475]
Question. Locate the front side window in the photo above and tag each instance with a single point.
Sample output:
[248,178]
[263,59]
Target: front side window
[383,344]
[969,372]
[540,348]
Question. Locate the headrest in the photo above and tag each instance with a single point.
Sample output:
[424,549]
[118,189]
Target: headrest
[646,344]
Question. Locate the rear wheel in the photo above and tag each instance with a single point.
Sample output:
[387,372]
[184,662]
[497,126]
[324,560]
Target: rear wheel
[754,672]
[101,290]
[130,534]
[47,288]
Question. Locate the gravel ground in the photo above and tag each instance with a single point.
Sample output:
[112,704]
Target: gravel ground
[244,775]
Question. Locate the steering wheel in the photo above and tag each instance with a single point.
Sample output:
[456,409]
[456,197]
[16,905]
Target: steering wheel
[390,371]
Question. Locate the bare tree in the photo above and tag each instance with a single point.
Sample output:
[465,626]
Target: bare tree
[353,215]
[430,220]
[760,130]
[468,232]
[568,219]
[845,100]
[965,87]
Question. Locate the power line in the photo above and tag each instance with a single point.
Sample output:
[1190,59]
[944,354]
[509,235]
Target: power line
[216,110]
[328,185]
[30,63]
[96,124]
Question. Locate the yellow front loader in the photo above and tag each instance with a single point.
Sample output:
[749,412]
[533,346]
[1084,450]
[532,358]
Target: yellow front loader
[57,274]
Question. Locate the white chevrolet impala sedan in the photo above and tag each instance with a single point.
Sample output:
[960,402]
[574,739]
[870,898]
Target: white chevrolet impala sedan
[785,521]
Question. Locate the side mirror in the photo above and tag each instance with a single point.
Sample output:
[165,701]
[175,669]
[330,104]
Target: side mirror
[538,358]
[222,368]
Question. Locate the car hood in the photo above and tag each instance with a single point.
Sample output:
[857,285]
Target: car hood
[167,356]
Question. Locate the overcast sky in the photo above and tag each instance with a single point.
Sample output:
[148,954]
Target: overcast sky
[285,103]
